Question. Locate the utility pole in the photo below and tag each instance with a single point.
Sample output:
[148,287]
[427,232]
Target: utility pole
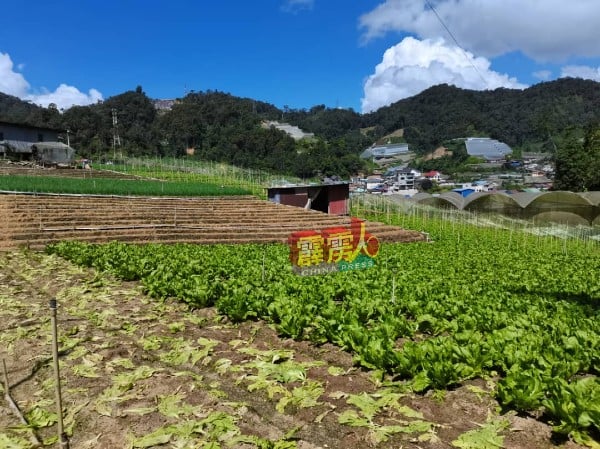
[116,138]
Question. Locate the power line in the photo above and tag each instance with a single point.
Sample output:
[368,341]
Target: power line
[456,42]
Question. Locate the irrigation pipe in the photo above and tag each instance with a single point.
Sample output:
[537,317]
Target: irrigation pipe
[62,436]
[15,408]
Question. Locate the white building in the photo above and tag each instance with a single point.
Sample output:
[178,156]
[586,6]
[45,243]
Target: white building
[405,179]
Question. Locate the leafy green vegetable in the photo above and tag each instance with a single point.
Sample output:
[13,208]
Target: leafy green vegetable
[529,314]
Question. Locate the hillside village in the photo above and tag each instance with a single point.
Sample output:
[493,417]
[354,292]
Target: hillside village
[392,172]
[391,163]
[495,171]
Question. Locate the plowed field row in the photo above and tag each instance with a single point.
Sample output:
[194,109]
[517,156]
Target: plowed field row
[37,220]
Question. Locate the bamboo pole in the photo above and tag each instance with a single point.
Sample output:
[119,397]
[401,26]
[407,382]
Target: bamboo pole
[62,437]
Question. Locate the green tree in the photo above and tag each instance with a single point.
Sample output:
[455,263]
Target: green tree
[592,149]
[578,162]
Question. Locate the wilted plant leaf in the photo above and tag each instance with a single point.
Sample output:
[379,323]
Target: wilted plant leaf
[338,395]
[176,327]
[366,404]
[127,379]
[13,442]
[351,418]
[408,412]
[303,397]
[222,365]
[486,437]
[69,419]
[39,418]
[335,371]
[219,426]
[158,437]
[85,369]
[122,362]
[151,343]
[171,405]
[379,434]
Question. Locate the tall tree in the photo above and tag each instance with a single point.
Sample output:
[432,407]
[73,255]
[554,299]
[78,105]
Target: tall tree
[578,162]
[592,149]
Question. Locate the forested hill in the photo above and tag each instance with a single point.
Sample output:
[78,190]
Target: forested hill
[517,117]
[222,127]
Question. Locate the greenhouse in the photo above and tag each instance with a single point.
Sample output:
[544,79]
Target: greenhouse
[557,207]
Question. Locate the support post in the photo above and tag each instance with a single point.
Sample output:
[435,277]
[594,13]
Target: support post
[62,436]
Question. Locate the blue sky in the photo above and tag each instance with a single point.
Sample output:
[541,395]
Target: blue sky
[300,53]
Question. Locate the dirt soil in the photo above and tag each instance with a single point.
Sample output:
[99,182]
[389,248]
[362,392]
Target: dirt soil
[437,153]
[136,372]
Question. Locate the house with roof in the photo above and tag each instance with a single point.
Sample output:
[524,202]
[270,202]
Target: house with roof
[484,185]
[464,191]
[404,179]
[433,175]
[481,185]
[541,182]
[35,143]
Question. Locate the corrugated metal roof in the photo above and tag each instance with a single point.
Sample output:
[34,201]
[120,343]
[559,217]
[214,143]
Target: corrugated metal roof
[17,146]
[50,146]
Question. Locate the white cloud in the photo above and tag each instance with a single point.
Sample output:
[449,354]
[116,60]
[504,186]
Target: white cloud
[65,96]
[11,82]
[294,6]
[581,71]
[543,75]
[548,30]
[412,66]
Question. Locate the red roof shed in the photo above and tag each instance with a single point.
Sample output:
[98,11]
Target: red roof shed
[328,198]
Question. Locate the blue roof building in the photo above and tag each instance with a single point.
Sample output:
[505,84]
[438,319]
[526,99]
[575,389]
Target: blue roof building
[464,192]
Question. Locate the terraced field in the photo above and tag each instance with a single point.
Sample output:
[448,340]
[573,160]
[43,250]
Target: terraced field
[32,170]
[37,220]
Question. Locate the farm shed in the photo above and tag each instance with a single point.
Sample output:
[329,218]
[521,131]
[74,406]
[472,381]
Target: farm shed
[328,198]
[53,153]
[24,142]
[26,133]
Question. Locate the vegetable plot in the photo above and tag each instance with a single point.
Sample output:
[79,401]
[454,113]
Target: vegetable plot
[432,314]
